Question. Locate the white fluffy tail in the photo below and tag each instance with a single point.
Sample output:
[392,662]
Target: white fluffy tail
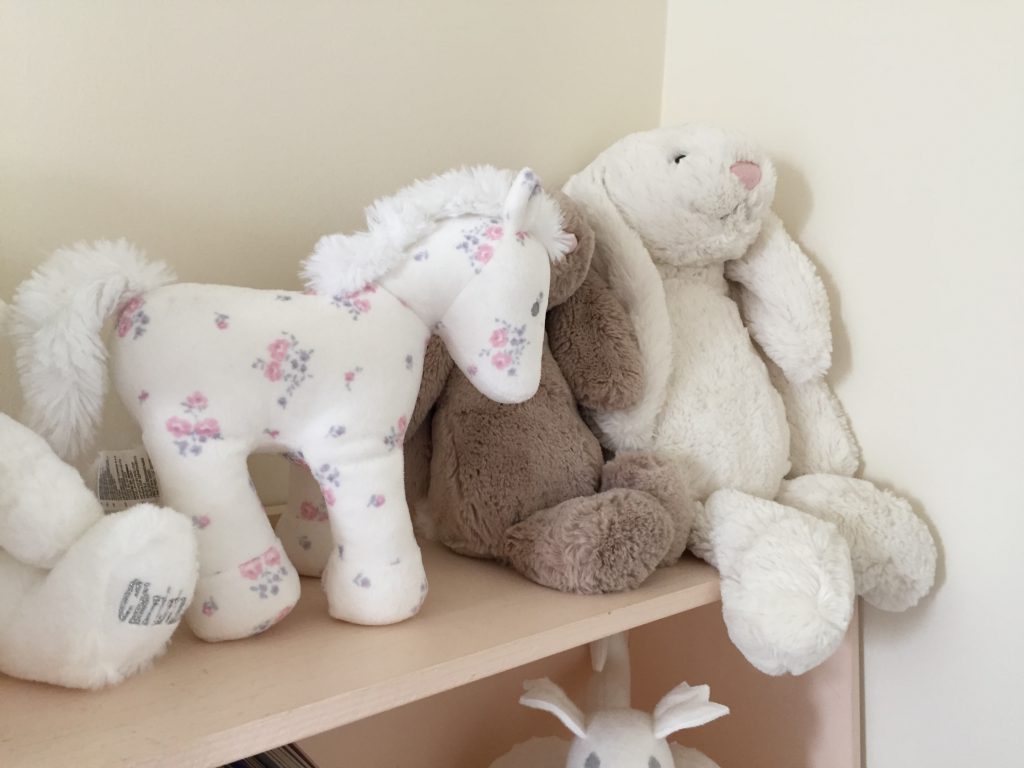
[57,322]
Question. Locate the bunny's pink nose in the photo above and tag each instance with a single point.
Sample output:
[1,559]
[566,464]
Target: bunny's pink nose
[749,174]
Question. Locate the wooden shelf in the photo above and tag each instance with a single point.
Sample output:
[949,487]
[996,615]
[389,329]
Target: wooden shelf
[206,704]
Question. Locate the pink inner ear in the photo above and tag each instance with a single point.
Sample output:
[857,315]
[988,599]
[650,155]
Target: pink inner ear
[748,173]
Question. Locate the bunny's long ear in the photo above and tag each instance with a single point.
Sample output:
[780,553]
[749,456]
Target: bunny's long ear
[784,303]
[685,707]
[544,694]
[621,258]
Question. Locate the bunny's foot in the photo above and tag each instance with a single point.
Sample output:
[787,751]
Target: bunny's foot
[108,607]
[891,548]
[787,582]
[658,476]
[44,505]
[603,543]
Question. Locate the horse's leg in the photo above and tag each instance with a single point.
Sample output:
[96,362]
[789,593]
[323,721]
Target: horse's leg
[246,583]
[375,575]
[303,526]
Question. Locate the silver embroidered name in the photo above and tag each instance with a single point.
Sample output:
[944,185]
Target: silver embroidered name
[138,606]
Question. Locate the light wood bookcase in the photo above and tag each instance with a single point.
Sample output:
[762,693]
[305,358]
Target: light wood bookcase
[439,690]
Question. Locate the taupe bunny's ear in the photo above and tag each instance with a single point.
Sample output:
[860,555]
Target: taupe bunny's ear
[568,274]
[621,258]
[545,695]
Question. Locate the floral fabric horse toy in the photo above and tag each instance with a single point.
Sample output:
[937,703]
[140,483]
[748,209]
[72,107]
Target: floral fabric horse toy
[214,373]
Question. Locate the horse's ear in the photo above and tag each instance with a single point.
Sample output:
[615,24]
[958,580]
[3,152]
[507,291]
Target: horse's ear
[622,259]
[525,187]
[544,694]
[567,274]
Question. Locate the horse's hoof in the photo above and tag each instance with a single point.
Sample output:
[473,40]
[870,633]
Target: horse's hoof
[376,590]
[245,600]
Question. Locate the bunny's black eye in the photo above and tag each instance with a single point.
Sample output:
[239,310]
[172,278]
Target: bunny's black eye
[677,159]
[653,763]
[593,761]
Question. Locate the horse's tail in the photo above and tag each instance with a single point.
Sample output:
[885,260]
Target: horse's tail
[58,317]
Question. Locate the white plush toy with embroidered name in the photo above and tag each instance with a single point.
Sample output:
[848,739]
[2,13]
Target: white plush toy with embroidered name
[686,239]
[214,373]
[613,734]
[85,600]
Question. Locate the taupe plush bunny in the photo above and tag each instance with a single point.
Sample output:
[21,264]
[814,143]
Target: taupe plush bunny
[528,483]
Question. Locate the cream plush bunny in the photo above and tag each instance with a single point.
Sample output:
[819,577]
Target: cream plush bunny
[85,599]
[612,734]
[733,325]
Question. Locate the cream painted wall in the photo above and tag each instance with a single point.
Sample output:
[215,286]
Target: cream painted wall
[898,131]
[226,136]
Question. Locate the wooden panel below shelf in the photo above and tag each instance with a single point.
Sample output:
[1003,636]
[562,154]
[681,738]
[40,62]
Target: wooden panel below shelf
[205,704]
[811,721]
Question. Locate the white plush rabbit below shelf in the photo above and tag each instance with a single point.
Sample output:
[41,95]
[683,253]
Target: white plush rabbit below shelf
[614,735]
[553,752]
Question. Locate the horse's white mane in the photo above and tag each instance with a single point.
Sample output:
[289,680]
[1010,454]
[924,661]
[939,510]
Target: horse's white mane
[345,263]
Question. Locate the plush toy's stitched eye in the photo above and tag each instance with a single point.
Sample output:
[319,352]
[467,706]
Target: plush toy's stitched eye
[653,763]
[593,761]
[681,156]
